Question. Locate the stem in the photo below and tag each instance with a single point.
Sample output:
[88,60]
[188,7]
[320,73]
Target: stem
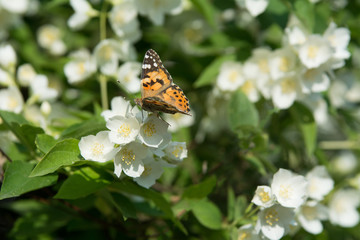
[104,94]
[103,16]
[335,145]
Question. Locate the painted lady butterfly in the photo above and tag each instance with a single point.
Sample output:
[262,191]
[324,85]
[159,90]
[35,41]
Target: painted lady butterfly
[158,92]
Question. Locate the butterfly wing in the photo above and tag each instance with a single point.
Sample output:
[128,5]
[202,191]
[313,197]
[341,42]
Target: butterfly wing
[154,77]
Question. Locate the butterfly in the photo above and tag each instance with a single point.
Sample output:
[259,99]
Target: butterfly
[158,92]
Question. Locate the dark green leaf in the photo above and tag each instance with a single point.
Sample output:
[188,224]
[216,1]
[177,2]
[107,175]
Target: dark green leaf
[207,213]
[242,112]
[90,127]
[208,76]
[304,10]
[82,183]
[64,153]
[122,203]
[17,180]
[208,10]
[44,142]
[200,190]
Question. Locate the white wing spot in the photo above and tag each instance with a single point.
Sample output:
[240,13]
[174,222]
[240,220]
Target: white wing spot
[146,56]
[155,65]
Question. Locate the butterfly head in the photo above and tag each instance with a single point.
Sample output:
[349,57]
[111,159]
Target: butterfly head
[138,101]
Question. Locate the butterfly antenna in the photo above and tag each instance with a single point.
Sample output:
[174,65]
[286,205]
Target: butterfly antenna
[159,116]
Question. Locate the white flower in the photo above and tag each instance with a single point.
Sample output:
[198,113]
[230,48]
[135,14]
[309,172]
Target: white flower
[320,183]
[285,91]
[230,77]
[153,131]
[314,80]
[247,232]
[15,6]
[108,53]
[343,207]
[310,216]
[152,171]
[6,78]
[124,22]
[123,129]
[25,74]
[156,9]
[339,39]
[130,160]
[282,62]
[178,121]
[176,151]
[97,148]
[45,108]
[256,7]
[250,90]
[11,100]
[81,67]
[263,197]
[83,13]
[319,107]
[315,51]
[296,36]
[128,76]
[274,221]
[41,90]
[33,114]
[49,37]
[119,106]
[344,163]
[7,57]
[289,188]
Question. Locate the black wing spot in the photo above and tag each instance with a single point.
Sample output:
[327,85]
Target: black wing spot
[152,82]
[187,104]
[176,95]
[180,100]
[180,104]
[188,109]
[145,85]
[160,81]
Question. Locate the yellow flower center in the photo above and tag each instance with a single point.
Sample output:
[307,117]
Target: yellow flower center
[233,75]
[149,129]
[147,171]
[177,151]
[97,149]
[247,87]
[124,130]
[271,217]
[285,191]
[309,212]
[81,68]
[288,85]
[284,65]
[312,51]
[127,156]
[263,65]
[243,236]
[119,18]
[264,196]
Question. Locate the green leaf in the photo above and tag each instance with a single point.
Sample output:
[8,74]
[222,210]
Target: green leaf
[208,76]
[122,203]
[230,204]
[17,180]
[64,153]
[241,112]
[82,183]
[200,190]
[305,121]
[304,10]
[44,142]
[90,127]
[21,128]
[207,213]
[208,10]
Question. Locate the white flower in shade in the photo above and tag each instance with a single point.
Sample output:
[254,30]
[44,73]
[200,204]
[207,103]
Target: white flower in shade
[15,6]
[83,13]
[119,107]
[176,151]
[343,207]
[41,90]
[250,90]
[314,80]
[247,232]
[290,189]
[80,67]
[344,163]
[310,216]
[152,171]
[128,76]
[285,91]
[257,67]
[320,183]
[178,121]
[33,114]
[315,51]
[274,221]
[156,9]
[282,62]
[319,107]
[123,129]
[256,7]
[97,148]
[108,53]
[230,76]
[5,78]
[295,35]
[124,22]
[49,37]
[263,197]
[7,57]
[339,39]
[25,74]
[153,131]
[130,160]
[45,108]
[11,100]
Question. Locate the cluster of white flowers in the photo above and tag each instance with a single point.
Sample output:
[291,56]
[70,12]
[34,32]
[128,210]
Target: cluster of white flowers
[138,143]
[300,70]
[293,200]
